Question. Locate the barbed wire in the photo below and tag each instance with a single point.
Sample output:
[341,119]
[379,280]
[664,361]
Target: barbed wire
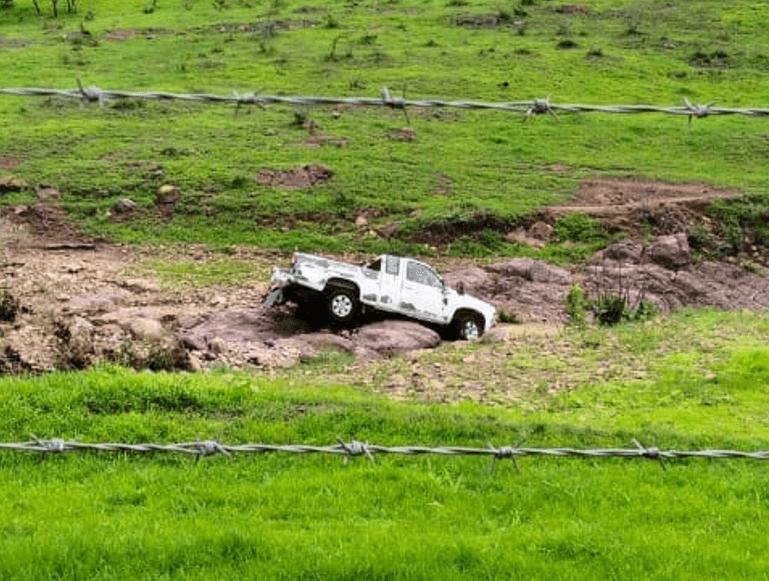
[356,448]
[527,108]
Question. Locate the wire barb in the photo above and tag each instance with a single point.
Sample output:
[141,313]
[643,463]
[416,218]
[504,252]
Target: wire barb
[698,111]
[90,94]
[210,447]
[54,446]
[653,453]
[248,99]
[505,452]
[355,448]
[395,102]
[538,107]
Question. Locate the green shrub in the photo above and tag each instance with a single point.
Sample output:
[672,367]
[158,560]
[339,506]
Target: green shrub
[576,306]
[578,227]
[9,305]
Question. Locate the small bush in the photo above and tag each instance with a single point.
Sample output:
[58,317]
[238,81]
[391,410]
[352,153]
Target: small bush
[611,309]
[9,306]
[504,316]
[699,237]
[566,44]
[578,227]
[576,306]
[608,308]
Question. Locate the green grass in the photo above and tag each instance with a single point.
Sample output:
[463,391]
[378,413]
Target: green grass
[110,516]
[461,164]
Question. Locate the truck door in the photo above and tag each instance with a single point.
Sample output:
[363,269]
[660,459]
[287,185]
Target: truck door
[390,289]
[422,293]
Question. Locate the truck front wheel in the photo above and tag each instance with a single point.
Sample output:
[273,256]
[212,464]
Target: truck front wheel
[468,326]
[342,305]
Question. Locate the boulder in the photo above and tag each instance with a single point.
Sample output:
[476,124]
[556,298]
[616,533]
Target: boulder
[627,250]
[47,192]
[393,336]
[541,231]
[473,279]
[671,251]
[124,206]
[11,184]
[168,194]
[532,270]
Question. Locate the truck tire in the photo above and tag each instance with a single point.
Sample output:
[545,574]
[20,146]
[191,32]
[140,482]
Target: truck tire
[342,305]
[468,326]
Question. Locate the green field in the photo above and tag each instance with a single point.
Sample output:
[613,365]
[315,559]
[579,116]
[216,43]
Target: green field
[461,166]
[691,380]
[101,515]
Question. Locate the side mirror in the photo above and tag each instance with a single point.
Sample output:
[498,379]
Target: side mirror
[461,288]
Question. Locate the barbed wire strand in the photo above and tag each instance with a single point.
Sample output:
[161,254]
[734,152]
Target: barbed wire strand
[356,448]
[527,108]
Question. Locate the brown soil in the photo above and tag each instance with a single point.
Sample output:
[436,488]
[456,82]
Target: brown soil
[9,162]
[63,281]
[299,177]
[623,204]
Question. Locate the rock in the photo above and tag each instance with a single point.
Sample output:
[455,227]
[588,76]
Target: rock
[11,184]
[147,329]
[95,300]
[140,285]
[541,231]
[532,270]
[193,342]
[168,194]
[321,340]
[389,230]
[521,237]
[393,336]
[217,345]
[124,206]
[78,323]
[671,251]
[473,279]
[47,192]
[361,221]
[626,250]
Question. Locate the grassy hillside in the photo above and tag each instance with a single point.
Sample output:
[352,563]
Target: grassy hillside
[118,516]
[455,165]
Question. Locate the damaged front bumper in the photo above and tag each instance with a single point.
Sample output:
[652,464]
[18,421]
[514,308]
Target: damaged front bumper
[280,279]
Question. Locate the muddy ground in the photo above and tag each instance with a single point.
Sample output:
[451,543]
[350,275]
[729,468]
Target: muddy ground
[72,301]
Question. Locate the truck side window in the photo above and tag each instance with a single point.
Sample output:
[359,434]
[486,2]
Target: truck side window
[419,273]
[392,265]
[376,265]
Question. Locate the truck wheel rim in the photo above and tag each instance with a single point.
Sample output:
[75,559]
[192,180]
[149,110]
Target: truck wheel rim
[341,306]
[470,330]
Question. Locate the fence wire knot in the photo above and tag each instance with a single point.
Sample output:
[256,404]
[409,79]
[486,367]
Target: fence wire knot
[395,102]
[54,446]
[538,107]
[248,99]
[652,452]
[92,93]
[698,111]
[355,448]
[211,447]
[503,453]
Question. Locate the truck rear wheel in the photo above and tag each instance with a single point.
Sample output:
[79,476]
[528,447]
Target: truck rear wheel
[468,326]
[342,305]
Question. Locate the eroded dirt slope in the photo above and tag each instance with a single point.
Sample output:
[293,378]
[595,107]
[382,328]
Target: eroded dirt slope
[80,300]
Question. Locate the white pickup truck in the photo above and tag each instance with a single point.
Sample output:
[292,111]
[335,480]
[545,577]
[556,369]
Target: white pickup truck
[393,284]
